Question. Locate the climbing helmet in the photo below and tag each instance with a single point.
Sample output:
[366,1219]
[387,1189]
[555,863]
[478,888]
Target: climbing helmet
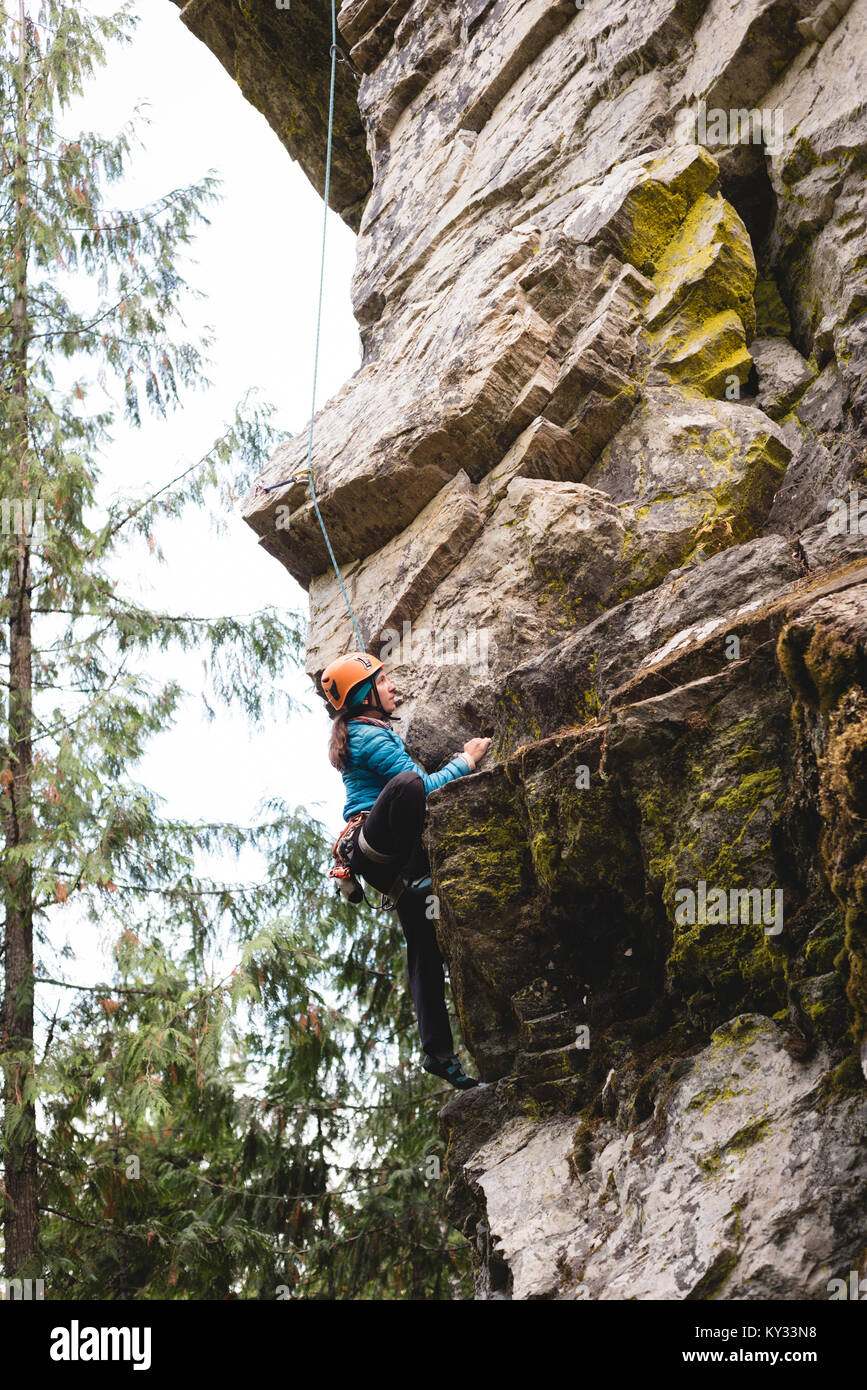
[341,677]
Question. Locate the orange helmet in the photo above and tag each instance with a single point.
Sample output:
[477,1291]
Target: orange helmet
[341,677]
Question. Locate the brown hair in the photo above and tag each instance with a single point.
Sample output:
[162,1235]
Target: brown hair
[338,743]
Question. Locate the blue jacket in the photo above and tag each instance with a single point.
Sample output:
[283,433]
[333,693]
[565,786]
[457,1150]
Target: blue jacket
[376,754]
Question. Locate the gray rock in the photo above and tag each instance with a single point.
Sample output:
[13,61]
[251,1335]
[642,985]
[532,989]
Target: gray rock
[783,375]
[823,20]
[651,463]
[818,237]
[722,1194]
[821,408]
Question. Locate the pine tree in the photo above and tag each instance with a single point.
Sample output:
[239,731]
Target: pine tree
[79,709]
[196,1121]
[184,1131]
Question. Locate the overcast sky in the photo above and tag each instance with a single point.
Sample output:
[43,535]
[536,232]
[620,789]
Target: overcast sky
[258,265]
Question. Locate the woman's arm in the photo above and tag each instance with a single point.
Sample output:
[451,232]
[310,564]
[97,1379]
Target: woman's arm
[384,753]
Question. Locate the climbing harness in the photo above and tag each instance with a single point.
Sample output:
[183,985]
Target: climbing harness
[260,488]
[341,871]
[345,843]
[349,887]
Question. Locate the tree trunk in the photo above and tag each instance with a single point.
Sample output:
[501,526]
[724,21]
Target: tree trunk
[22,1209]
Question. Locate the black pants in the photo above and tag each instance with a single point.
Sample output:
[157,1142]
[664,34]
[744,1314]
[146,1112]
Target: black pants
[393,827]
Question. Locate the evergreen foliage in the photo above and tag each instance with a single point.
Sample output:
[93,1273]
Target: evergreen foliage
[189,1130]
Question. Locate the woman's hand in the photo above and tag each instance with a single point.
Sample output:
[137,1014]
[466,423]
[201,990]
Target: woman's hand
[477,748]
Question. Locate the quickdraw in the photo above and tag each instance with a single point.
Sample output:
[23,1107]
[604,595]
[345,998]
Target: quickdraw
[340,871]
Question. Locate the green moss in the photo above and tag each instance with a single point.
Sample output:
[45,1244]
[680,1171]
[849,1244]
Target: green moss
[823,1003]
[841,962]
[656,208]
[791,645]
[703,314]
[739,488]
[699,825]
[740,504]
[579,1159]
[737,1218]
[514,716]
[752,789]
[483,866]
[546,859]
[712,1096]
[591,703]
[822,951]
[849,1078]
[703,352]
[843,799]
[834,663]
[716,1277]
[744,1139]
[732,814]
[819,663]
[654,215]
[709,266]
[826,667]
[645,572]
[772,316]
[735,1032]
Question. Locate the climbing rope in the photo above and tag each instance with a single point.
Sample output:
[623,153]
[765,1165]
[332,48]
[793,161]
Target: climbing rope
[335,54]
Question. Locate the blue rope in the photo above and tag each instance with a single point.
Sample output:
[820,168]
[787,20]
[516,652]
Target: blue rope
[334,53]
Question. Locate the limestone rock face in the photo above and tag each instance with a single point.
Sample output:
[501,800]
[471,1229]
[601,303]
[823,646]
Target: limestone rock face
[599,490]
[723,1187]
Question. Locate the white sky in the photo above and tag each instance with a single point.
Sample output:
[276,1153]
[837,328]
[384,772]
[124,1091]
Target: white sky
[258,264]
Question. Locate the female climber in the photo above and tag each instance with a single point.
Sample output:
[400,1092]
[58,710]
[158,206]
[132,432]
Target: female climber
[385,810]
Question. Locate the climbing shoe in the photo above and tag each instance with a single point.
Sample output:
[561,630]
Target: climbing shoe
[450,1071]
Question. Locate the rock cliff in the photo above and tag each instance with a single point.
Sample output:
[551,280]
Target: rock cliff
[601,472]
